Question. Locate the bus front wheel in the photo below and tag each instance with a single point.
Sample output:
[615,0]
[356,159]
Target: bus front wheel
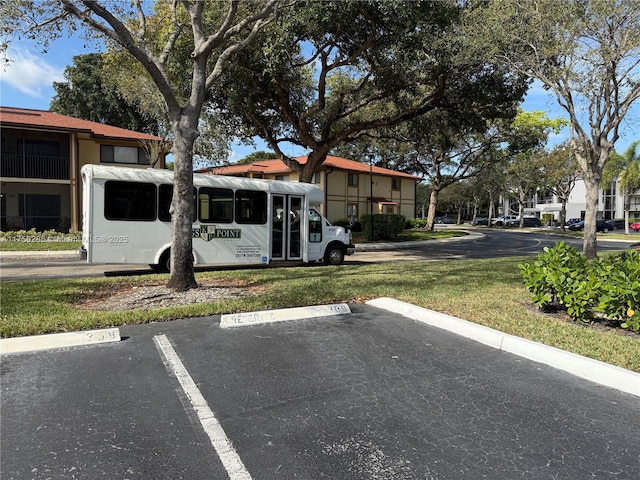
[334,255]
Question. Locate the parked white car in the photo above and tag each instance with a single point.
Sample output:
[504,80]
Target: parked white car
[502,220]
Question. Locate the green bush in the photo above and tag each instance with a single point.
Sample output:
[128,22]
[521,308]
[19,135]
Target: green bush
[385,227]
[417,222]
[610,287]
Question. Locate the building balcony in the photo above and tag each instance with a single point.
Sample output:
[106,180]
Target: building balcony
[34,166]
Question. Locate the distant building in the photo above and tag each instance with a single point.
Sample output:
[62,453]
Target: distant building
[41,156]
[610,204]
[346,185]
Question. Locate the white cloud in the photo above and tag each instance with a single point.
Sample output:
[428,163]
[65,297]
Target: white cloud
[29,73]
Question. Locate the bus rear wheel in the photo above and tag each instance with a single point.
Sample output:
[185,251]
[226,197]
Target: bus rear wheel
[334,255]
[165,263]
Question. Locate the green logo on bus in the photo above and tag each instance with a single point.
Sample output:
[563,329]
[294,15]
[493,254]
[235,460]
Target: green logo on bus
[209,232]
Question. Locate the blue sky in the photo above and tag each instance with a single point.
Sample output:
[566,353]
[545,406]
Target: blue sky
[26,82]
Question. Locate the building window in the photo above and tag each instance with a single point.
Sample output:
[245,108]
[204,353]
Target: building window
[352,180]
[118,154]
[316,178]
[39,148]
[282,178]
[395,184]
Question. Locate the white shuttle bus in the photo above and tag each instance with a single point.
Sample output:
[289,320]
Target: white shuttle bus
[237,220]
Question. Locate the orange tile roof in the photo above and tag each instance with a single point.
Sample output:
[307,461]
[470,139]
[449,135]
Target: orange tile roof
[23,117]
[274,167]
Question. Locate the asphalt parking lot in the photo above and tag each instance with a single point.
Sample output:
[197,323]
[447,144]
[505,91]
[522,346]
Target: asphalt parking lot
[369,394]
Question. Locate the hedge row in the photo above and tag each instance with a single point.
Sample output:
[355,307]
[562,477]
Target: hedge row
[35,236]
[383,227]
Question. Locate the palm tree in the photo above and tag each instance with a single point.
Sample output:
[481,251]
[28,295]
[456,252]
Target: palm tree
[626,168]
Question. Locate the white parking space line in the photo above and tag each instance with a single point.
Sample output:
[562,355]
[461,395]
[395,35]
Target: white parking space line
[221,443]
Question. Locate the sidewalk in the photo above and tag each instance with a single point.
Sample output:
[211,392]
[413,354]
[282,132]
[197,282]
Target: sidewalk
[40,254]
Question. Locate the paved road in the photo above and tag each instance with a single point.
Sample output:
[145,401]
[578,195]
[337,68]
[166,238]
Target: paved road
[483,243]
[370,395]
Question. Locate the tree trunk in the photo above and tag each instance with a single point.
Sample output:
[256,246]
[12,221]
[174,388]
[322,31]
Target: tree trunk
[433,205]
[590,243]
[626,207]
[305,171]
[521,200]
[491,206]
[182,275]
[563,215]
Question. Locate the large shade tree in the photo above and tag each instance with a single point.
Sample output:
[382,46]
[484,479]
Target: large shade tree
[586,53]
[331,73]
[210,31]
[90,95]
[448,147]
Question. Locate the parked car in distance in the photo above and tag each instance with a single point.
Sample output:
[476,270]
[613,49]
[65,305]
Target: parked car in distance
[500,221]
[571,221]
[601,226]
[635,226]
[526,222]
[480,221]
[445,220]
[616,224]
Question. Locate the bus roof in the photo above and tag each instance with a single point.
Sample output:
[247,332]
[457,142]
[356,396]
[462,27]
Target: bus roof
[161,176]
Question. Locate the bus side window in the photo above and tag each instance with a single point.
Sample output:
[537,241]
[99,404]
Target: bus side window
[251,207]
[165,194]
[216,205]
[129,201]
[315,226]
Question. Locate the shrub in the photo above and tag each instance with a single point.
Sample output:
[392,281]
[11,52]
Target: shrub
[33,236]
[417,223]
[385,227]
[610,287]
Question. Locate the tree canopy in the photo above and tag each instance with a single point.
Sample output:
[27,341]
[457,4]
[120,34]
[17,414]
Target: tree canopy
[330,73]
[90,95]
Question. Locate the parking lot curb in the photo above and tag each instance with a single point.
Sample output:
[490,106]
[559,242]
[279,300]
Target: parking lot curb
[58,340]
[587,368]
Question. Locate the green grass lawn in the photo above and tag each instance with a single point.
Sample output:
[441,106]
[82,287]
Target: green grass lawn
[414,235]
[488,292]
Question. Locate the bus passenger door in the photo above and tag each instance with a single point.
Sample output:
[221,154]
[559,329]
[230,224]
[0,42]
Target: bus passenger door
[296,226]
[286,227]
[278,226]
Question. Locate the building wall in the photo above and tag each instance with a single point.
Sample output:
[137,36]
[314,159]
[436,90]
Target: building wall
[577,206]
[345,200]
[76,150]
